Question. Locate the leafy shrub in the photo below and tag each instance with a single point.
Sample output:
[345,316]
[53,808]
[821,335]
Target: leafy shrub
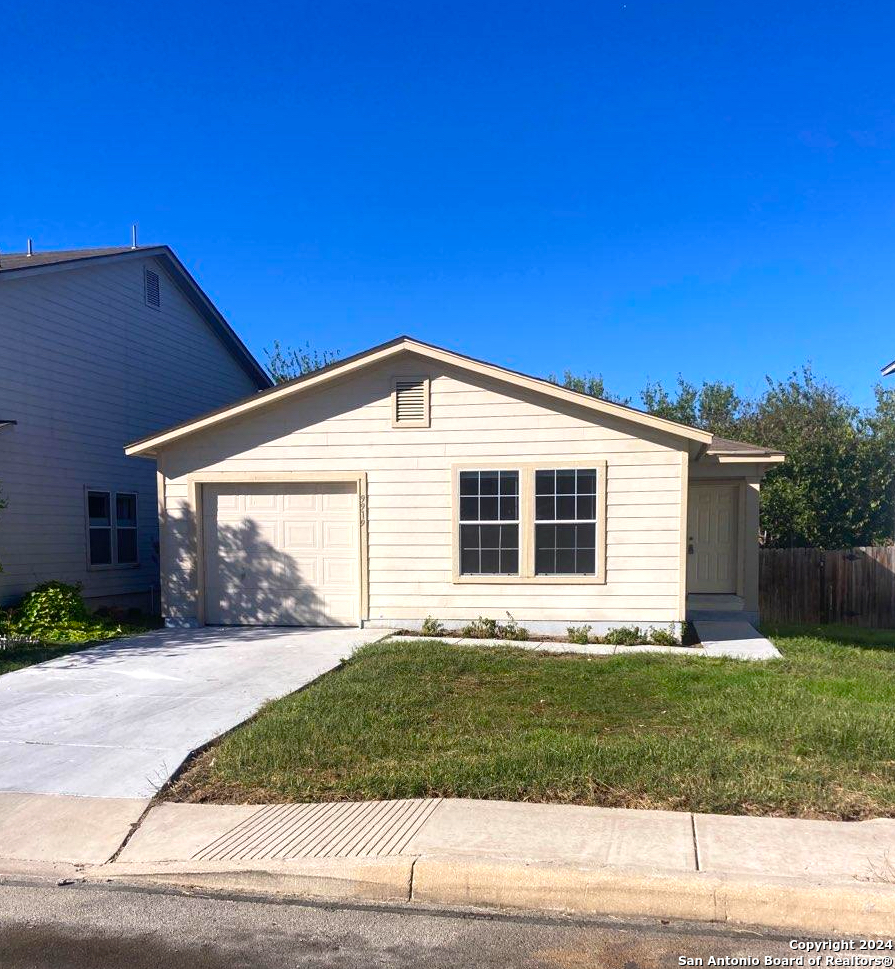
[625,636]
[484,628]
[480,628]
[48,606]
[432,627]
[663,637]
[512,630]
[55,612]
[579,634]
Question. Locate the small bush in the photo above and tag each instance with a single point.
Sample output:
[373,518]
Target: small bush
[49,606]
[625,636]
[579,634]
[663,637]
[481,628]
[485,628]
[54,612]
[511,630]
[432,627]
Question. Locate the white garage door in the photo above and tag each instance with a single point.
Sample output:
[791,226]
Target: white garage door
[281,554]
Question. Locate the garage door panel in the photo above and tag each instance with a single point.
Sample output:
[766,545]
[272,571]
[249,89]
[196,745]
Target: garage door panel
[262,502]
[338,535]
[339,572]
[306,502]
[301,536]
[338,501]
[281,554]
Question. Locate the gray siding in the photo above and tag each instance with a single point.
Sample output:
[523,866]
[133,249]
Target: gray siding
[85,367]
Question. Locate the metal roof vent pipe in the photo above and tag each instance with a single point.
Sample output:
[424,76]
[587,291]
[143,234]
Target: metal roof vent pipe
[134,236]
[30,249]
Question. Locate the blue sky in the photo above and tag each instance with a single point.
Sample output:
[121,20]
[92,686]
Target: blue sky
[634,188]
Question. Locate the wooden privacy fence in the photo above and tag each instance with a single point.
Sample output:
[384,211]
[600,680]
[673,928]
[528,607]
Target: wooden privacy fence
[855,586]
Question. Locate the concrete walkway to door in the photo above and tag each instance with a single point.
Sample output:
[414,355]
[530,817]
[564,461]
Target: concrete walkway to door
[118,720]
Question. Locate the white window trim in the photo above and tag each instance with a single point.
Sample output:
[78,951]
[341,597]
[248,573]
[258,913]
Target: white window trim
[112,526]
[526,574]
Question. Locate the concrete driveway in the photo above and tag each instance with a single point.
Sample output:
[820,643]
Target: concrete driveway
[119,719]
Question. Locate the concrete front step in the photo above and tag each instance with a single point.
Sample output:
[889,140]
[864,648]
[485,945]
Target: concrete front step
[736,639]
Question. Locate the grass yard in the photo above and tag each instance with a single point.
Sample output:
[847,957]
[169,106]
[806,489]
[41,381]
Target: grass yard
[17,657]
[811,735]
[22,654]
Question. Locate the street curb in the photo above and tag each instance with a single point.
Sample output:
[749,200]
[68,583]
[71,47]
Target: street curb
[337,879]
[792,904]
[461,881]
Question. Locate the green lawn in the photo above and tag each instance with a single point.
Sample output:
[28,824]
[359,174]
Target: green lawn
[19,656]
[811,735]
[27,654]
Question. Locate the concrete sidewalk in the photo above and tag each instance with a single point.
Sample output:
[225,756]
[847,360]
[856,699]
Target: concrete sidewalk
[808,876]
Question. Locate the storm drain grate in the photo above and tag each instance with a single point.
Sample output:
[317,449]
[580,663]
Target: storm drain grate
[363,829]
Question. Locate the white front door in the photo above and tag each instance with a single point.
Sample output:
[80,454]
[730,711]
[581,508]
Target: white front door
[712,539]
[281,554]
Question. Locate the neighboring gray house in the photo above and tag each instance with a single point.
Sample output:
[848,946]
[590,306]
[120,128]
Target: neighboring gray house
[97,347]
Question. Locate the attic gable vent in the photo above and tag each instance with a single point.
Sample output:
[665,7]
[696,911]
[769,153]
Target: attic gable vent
[410,402]
[151,288]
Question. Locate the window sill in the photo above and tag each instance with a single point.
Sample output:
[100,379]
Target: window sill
[529,580]
[113,568]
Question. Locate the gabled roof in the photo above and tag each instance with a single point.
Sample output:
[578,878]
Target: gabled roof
[19,264]
[341,368]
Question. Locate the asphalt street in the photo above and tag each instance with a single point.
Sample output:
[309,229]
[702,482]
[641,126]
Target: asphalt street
[45,926]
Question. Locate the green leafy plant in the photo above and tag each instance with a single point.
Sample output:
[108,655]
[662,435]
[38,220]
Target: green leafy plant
[48,606]
[625,636]
[579,634]
[481,628]
[511,630]
[55,612]
[663,637]
[432,627]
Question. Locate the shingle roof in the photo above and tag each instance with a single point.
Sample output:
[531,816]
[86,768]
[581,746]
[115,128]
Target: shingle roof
[21,260]
[723,445]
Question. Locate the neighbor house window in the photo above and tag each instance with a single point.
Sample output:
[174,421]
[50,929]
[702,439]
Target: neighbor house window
[566,522]
[489,522]
[111,528]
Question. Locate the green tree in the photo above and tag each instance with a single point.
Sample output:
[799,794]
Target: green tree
[587,383]
[836,488]
[287,363]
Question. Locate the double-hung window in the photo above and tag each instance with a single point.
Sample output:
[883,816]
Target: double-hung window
[533,523]
[566,522]
[489,522]
[111,528]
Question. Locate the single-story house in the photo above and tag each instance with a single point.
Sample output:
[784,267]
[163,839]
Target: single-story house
[99,346]
[409,481]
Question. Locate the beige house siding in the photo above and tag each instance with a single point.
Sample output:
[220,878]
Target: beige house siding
[86,366]
[347,427]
